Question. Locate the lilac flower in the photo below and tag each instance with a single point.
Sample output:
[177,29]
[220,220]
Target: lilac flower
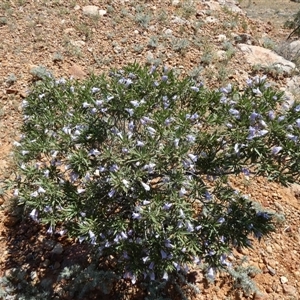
[297,108]
[189,226]
[211,274]
[80,190]
[257,92]
[195,89]
[24,152]
[151,266]
[126,183]
[146,202]
[182,192]
[281,118]
[193,157]
[176,142]
[276,150]
[94,152]
[253,117]
[146,120]
[130,111]
[298,123]
[191,138]
[111,193]
[168,121]
[271,115]
[152,70]
[234,112]
[99,102]
[164,78]
[168,244]
[262,132]
[227,89]
[34,194]
[165,276]
[85,105]
[95,90]
[151,130]
[207,195]
[292,137]
[60,81]
[92,237]
[34,215]
[50,230]
[167,206]
[135,103]
[41,190]
[163,254]
[136,216]
[145,186]
[181,214]
[114,168]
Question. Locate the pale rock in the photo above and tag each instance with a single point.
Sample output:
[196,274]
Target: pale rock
[175,2]
[102,12]
[295,48]
[77,72]
[90,10]
[291,291]
[168,31]
[221,55]
[213,5]
[211,20]
[256,55]
[283,279]
[77,43]
[177,20]
[221,38]
[259,296]
[76,7]
[269,249]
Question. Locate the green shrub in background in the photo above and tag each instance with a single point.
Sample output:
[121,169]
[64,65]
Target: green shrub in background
[137,163]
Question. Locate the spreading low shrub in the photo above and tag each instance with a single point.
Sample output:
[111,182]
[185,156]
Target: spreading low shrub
[137,163]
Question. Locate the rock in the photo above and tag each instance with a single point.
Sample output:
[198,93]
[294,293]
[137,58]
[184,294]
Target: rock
[259,296]
[45,263]
[11,221]
[48,244]
[256,55]
[168,31]
[283,279]
[90,10]
[175,2]
[56,265]
[291,291]
[294,48]
[77,72]
[102,12]
[77,43]
[271,271]
[211,20]
[58,249]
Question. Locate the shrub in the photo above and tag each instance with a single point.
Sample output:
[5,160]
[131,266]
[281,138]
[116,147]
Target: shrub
[137,165]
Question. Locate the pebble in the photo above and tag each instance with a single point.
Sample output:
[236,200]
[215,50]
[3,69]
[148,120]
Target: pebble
[90,10]
[271,271]
[290,290]
[77,72]
[48,244]
[58,249]
[283,279]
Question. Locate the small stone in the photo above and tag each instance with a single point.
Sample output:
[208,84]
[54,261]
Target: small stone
[102,12]
[290,290]
[271,270]
[48,244]
[11,221]
[283,279]
[269,249]
[56,265]
[77,72]
[259,296]
[58,249]
[90,10]
[175,2]
[168,31]
[45,263]
[76,7]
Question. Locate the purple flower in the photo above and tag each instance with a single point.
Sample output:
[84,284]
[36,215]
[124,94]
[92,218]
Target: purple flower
[234,112]
[189,226]
[164,78]
[136,216]
[140,144]
[276,150]
[191,138]
[167,206]
[297,108]
[34,215]
[271,115]
[145,186]
[292,137]
[95,90]
[298,123]
[163,254]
